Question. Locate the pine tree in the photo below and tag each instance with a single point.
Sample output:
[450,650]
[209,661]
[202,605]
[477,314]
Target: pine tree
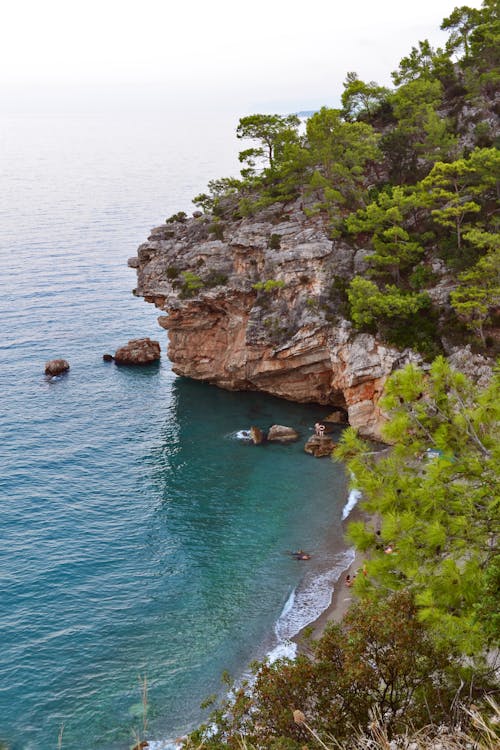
[437,498]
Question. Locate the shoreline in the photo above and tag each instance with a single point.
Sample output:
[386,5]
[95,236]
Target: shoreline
[342,595]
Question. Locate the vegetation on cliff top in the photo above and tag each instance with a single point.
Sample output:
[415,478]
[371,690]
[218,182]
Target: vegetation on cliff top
[409,174]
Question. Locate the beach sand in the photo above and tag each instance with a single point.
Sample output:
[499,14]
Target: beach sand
[342,595]
[341,599]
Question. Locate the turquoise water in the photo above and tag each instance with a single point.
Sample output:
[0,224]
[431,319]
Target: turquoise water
[140,536]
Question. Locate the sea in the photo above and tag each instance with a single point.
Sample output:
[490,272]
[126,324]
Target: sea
[145,543]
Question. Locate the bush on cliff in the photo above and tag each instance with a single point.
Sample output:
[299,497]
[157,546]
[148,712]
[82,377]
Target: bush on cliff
[380,657]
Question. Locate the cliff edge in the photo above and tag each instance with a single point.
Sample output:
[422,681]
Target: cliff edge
[260,309]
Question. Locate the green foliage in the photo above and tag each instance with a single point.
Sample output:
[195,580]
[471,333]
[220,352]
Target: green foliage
[338,154]
[421,277]
[439,510]
[220,191]
[425,134]
[457,191]
[191,284]
[461,22]
[217,230]
[274,242]
[362,99]
[215,278]
[423,62]
[395,250]
[379,656]
[273,133]
[479,291]
[180,216]
[369,304]
[268,286]
[172,272]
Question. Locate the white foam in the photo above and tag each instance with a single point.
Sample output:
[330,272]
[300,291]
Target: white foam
[284,650]
[240,435]
[352,501]
[304,605]
[310,599]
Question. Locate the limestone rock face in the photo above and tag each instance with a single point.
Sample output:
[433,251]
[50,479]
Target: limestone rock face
[320,447]
[138,352]
[336,417]
[56,367]
[287,337]
[278,433]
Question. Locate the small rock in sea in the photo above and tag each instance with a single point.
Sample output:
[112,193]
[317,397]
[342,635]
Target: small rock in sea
[107,357]
[256,435]
[138,352]
[56,367]
[278,433]
[319,446]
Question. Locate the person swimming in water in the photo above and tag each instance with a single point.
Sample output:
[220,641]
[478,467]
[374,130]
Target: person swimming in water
[301,555]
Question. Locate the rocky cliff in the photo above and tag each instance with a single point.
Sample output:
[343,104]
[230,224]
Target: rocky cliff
[260,309]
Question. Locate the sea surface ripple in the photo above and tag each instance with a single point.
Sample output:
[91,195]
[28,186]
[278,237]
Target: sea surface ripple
[139,536]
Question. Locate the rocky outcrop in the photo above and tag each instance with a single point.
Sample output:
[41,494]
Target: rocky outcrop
[56,367]
[320,447]
[256,435]
[249,313]
[278,433]
[138,352]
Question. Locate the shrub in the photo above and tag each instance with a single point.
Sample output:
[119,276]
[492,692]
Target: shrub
[180,216]
[421,277]
[217,229]
[268,286]
[215,278]
[191,284]
[381,656]
[274,242]
[172,272]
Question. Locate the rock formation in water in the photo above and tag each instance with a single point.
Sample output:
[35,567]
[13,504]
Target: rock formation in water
[138,352]
[278,433]
[56,367]
[248,312]
[319,446]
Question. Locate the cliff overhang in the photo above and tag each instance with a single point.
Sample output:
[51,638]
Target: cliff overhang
[252,312]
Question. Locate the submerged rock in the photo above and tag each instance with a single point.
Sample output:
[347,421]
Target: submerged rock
[56,367]
[107,358]
[280,434]
[319,446]
[138,352]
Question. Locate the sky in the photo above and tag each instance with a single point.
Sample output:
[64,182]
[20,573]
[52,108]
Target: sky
[258,55]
